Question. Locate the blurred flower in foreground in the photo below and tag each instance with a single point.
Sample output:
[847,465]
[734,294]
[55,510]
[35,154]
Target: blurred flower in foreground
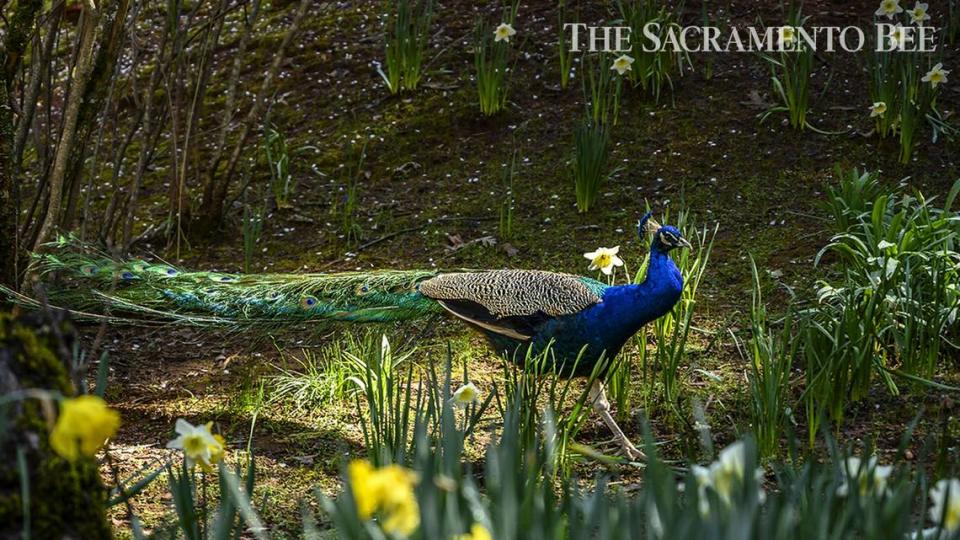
[84,425]
[936,75]
[622,64]
[477,532]
[725,475]
[879,108]
[945,495]
[866,475]
[388,490]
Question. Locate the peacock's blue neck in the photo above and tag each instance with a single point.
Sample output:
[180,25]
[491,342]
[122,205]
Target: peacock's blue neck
[626,308]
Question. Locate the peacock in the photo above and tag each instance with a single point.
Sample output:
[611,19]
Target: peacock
[581,320]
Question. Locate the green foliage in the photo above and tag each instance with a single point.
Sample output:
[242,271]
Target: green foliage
[895,80]
[564,58]
[322,379]
[408,33]
[345,207]
[652,70]
[771,356]
[591,154]
[790,72]
[951,32]
[492,63]
[894,306]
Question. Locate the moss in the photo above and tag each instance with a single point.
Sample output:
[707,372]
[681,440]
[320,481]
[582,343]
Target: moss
[66,499]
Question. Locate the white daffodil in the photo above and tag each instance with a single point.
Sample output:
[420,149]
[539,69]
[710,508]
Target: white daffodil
[504,32]
[945,495]
[889,8]
[866,475]
[724,475]
[466,394]
[622,64]
[879,108]
[198,444]
[919,14]
[604,259]
[896,35]
[936,75]
[788,35]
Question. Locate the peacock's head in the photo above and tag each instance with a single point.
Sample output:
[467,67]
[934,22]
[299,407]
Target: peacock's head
[665,237]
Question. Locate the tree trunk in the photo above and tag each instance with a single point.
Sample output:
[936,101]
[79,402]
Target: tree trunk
[61,161]
[18,32]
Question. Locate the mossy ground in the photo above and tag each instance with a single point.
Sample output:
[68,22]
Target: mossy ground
[434,167]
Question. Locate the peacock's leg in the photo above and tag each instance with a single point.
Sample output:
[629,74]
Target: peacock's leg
[598,397]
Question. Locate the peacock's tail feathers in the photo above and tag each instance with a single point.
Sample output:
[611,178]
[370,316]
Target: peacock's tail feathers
[96,283]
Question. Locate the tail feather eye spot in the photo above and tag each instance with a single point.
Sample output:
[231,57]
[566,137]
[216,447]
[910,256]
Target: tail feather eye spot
[363,289]
[308,302]
[88,269]
[127,275]
[170,272]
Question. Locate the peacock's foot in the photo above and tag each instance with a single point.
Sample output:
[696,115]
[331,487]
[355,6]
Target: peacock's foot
[602,406]
[630,451]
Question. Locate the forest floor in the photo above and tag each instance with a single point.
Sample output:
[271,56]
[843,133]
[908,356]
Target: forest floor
[431,189]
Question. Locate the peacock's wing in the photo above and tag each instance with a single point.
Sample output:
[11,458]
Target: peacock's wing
[98,285]
[514,303]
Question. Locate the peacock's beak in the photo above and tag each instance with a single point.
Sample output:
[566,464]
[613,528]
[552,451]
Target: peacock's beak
[684,243]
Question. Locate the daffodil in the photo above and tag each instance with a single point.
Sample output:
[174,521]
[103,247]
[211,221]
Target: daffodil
[84,425]
[477,532]
[198,444]
[724,475]
[889,8]
[945,495]
[919,14]
[503,33]
[896,35]
[788,35]
[936,75]
[466,394]
[387,491]
[867,476]
[604,259]
[622,64]
[879,108]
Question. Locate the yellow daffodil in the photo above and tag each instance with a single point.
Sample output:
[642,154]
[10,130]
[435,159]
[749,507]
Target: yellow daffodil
[503,33]
[879,108]
[198,444]
[622,64]
[466,394]
[477,532]
[387,490]
[604,259]
[84,425]
[945,495]
[889,8]
[866,475]
[788,35]
[936,75]
[919,14]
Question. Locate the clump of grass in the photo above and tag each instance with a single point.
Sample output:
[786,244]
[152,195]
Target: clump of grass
[407,35]
[652,70]
[319,380]
[771,356]
[564,58]
[492,58]
[602,88]
[790,70]
[345,206]
[283,183]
